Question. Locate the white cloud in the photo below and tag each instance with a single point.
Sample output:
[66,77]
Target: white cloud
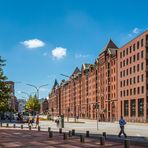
[81,56]
[59,52]
[136,30]
[33,43]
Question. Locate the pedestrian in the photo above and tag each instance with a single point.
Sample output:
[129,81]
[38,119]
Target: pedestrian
[30,120]
[57,121]
[122,122]
[37,120]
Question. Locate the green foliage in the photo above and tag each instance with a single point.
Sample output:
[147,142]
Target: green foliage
[4,89]
[33,104]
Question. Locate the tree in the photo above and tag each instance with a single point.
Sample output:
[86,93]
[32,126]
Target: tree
[33,104]
[4,88]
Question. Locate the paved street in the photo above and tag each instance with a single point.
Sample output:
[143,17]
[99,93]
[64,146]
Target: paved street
[132,129]
[31,139]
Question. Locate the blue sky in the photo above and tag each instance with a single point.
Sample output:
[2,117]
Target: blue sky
[42,38]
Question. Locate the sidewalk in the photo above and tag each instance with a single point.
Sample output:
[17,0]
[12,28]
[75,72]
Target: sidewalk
[141,141]
[32,139]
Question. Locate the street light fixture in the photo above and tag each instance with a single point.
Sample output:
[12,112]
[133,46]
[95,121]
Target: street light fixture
[37,88]
[74,96]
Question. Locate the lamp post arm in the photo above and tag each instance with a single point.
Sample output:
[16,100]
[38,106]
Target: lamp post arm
[42,86]
[32,86]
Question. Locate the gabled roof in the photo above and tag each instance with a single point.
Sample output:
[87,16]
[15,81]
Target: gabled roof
[76,71]
[111,46]
[85,66]
[56,85]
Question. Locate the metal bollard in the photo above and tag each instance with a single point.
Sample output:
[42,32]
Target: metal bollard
[69,133]
[73,132]
[21,126]
[1,124]
[104,134]
[87,133]
[14,126]
[50,134]
[49,129]
[7,125]
[39,128]
[81,138]
[102,140]
[64,136]
[29,127]
[60,130]
[126,143]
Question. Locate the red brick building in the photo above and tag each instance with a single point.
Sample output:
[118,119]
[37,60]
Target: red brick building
[133,79]
[115,85]
[54,101]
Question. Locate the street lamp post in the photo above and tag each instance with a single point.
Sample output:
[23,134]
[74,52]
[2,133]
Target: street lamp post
[68,114]
[74,95]
[37,88]
[97,107]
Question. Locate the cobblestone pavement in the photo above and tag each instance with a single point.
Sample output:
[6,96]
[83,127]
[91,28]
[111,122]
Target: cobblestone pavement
[31,139]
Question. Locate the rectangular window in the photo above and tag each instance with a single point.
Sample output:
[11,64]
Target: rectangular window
[130,81]
[138,45]
[120,74]
[123,53]
[138,90]
[141,42]
[124,83]
[138,79]
[142,78]
[130,91]
[134,91]
[133,107]
[134,80]
[137,56]
[127,51]
[120,54]
[124,73]
[120,93]
[134,69]
[130,70]
[130,49]
[130,60]
[134,58]
[137,67]
[124,93]
[126,61]
[140,107]
[126,108]
[142,54]
[142,67]
[120,64]
[133,47]
[127,82]
[127,92]
[120,83]
[127,72]
[142,89]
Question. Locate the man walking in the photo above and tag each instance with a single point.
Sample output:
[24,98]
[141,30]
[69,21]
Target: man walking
[122,122]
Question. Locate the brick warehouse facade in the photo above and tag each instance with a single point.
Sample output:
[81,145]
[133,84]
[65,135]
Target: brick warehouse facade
[116,84]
